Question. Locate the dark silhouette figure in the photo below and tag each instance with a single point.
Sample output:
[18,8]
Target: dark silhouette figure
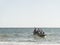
[35,31]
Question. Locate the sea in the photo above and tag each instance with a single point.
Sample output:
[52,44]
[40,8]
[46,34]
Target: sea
[24,36]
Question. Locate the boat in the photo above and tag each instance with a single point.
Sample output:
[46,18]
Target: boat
[39,33]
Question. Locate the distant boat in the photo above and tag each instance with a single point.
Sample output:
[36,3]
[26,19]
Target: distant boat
[39,33]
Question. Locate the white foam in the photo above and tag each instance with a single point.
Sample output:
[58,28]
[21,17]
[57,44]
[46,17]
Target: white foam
[23,43]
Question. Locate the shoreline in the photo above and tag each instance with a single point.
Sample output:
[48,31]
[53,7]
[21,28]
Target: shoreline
[24,43]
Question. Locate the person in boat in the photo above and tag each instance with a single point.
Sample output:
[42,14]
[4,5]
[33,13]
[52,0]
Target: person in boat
[35,31]
[43,33]
[40,31]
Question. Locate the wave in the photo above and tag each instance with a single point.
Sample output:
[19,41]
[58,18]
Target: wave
[29,37]
[25,43]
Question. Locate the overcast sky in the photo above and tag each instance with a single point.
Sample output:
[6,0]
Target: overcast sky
[29,13]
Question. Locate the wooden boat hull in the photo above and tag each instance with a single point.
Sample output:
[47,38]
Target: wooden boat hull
[40,35]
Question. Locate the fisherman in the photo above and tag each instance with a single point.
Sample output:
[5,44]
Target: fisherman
[35,31]
[40,31]
[43,33]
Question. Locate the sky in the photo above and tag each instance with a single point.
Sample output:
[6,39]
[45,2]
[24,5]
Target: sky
[29,13]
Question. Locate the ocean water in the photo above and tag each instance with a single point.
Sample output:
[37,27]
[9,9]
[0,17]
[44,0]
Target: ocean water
[24,36]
